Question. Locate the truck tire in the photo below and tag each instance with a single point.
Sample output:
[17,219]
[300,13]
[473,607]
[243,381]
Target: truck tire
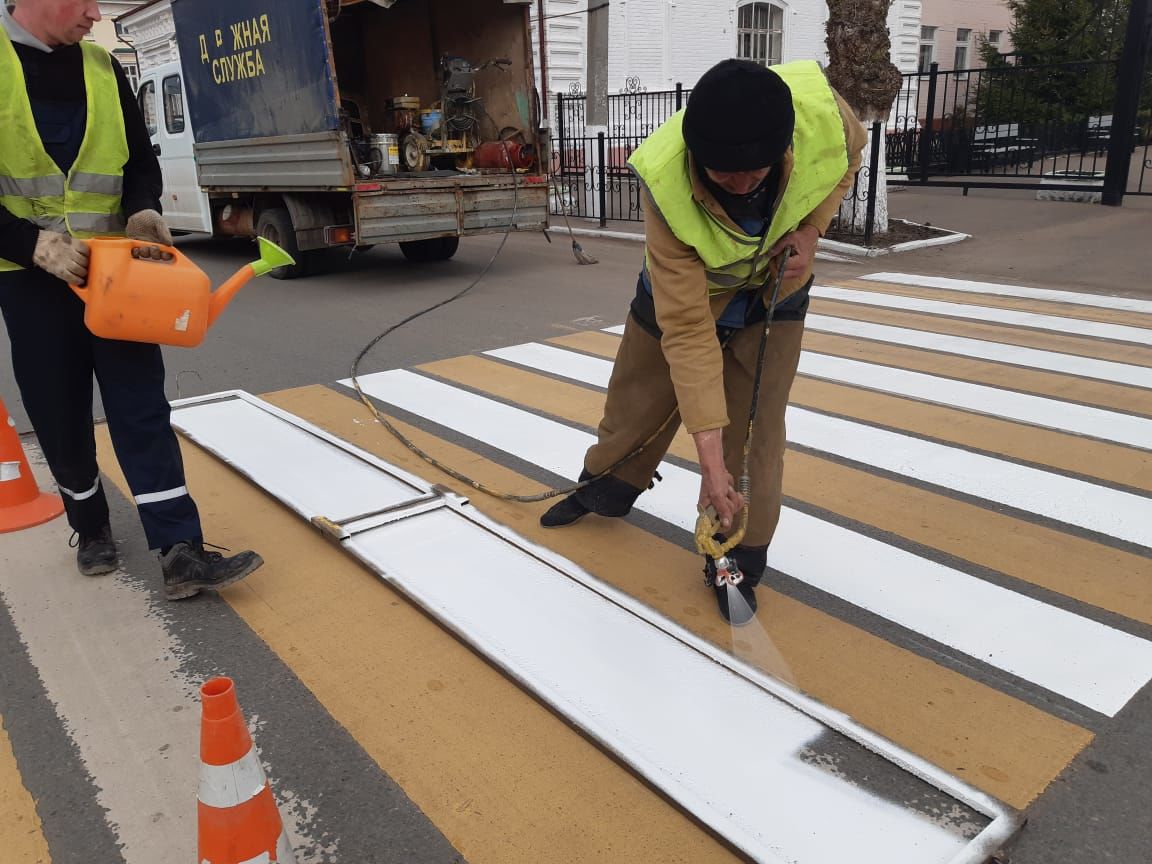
[275,224]
[436,249]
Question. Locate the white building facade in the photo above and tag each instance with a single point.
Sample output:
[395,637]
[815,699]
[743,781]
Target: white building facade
[655,44]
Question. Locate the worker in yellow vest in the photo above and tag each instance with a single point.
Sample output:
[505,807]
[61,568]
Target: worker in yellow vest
[76,161]
[758,162]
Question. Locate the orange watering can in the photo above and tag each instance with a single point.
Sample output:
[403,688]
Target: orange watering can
[143,292]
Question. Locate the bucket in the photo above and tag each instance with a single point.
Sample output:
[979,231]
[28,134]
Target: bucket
[430,120]
[384,153]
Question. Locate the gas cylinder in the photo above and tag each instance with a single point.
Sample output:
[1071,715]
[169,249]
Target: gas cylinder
[504,155]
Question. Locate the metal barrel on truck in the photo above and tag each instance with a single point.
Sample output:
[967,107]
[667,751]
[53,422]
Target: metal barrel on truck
[322,124]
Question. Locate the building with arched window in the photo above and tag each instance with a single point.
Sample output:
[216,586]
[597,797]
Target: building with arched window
[655,44]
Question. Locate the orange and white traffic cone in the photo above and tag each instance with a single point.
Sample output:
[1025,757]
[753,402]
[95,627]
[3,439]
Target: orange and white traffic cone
[22,504]
[238,819]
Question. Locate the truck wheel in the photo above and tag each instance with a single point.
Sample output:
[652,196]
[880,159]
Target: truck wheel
[436,249]
[275,224]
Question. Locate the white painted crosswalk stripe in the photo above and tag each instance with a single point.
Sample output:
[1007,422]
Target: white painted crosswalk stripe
[992,314]
[1076,502]
[998,352]
[1083,660]
[1020,407]
[1098,301]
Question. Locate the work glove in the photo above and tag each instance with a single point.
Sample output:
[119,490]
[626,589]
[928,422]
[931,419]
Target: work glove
[149,226]
[62,255]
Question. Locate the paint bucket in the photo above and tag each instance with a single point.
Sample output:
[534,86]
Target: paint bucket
[430,120]
[384,153]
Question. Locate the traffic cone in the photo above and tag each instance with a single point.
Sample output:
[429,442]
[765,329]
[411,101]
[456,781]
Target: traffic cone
[238,819]
[22,504]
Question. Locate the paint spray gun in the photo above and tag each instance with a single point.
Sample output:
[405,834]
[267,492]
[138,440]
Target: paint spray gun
[720,568]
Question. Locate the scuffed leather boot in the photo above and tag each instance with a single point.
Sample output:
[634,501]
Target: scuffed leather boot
[96,553]
[608,496]
[189,569]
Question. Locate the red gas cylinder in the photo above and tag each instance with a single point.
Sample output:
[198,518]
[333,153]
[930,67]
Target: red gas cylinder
[504,155]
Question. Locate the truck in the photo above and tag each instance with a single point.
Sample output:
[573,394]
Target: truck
[320,124]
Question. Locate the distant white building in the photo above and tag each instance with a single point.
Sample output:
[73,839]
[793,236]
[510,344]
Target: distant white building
[655,44]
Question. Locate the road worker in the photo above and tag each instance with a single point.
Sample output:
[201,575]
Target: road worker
[76,162]
[759,161]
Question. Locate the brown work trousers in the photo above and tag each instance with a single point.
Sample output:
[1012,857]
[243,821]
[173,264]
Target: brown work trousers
[641,396]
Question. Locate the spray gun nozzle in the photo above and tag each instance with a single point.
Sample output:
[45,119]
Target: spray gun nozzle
[722,571]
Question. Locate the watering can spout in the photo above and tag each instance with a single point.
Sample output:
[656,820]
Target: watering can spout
[271,257]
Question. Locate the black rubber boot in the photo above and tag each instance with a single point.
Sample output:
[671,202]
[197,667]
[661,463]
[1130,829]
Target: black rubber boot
[608,496]
[96,553]
[189,569]
[751,560]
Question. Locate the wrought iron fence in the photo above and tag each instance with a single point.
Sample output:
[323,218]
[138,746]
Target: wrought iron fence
[590,174]
[1035,121]
[857,216]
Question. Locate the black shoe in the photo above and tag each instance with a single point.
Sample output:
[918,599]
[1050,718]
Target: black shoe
[566,512]
[605,496]
[189,569]
[95,553]
[751,561]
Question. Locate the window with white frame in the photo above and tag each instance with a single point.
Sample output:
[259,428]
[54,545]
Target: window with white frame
[994,38]
[963,37]
[927,47]
[760,33]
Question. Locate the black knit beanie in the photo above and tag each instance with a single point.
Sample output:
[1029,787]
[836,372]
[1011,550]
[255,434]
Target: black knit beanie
[739,117]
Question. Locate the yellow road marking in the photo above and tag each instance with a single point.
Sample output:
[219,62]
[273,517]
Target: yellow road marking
[1113,463]
[1099,575]
[21,834]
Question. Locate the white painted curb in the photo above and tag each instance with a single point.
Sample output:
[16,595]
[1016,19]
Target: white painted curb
[876,251]
[639,238]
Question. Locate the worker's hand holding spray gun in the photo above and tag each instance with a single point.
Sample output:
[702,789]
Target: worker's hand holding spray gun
[722,500]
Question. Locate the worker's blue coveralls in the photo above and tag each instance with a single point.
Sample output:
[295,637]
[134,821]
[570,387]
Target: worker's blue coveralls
[54,356]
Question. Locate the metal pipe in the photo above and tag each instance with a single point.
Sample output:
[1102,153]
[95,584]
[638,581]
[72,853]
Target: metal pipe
[542,27]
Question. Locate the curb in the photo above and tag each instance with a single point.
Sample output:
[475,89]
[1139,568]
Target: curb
[821,254]
[911,246]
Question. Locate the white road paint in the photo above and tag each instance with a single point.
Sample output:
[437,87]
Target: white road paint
[989,314]
[1085,661]
[1042,411]
[644,687]
[1075,502]
[1083,420]
[111,671]
[998,352]
[1099,301]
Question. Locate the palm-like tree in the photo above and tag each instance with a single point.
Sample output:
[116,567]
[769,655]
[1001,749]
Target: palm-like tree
[860,68]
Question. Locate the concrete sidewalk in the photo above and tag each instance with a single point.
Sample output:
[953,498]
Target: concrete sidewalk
[1015,239]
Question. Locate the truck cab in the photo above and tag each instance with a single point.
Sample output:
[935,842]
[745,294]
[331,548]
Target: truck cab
[162,99]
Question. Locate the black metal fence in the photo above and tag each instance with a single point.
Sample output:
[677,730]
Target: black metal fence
[1075,116]
[1020,122]
[591,178]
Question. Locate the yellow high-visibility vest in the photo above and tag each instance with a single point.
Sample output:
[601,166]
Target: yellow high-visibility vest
[820,161]
[87,201]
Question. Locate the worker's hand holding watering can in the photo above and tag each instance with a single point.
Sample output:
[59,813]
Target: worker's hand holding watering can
[149,292]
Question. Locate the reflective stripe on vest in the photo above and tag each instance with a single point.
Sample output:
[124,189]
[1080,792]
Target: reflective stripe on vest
[820,161]
[87,202]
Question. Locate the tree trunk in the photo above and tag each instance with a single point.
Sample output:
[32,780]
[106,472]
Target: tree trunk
[860,68]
